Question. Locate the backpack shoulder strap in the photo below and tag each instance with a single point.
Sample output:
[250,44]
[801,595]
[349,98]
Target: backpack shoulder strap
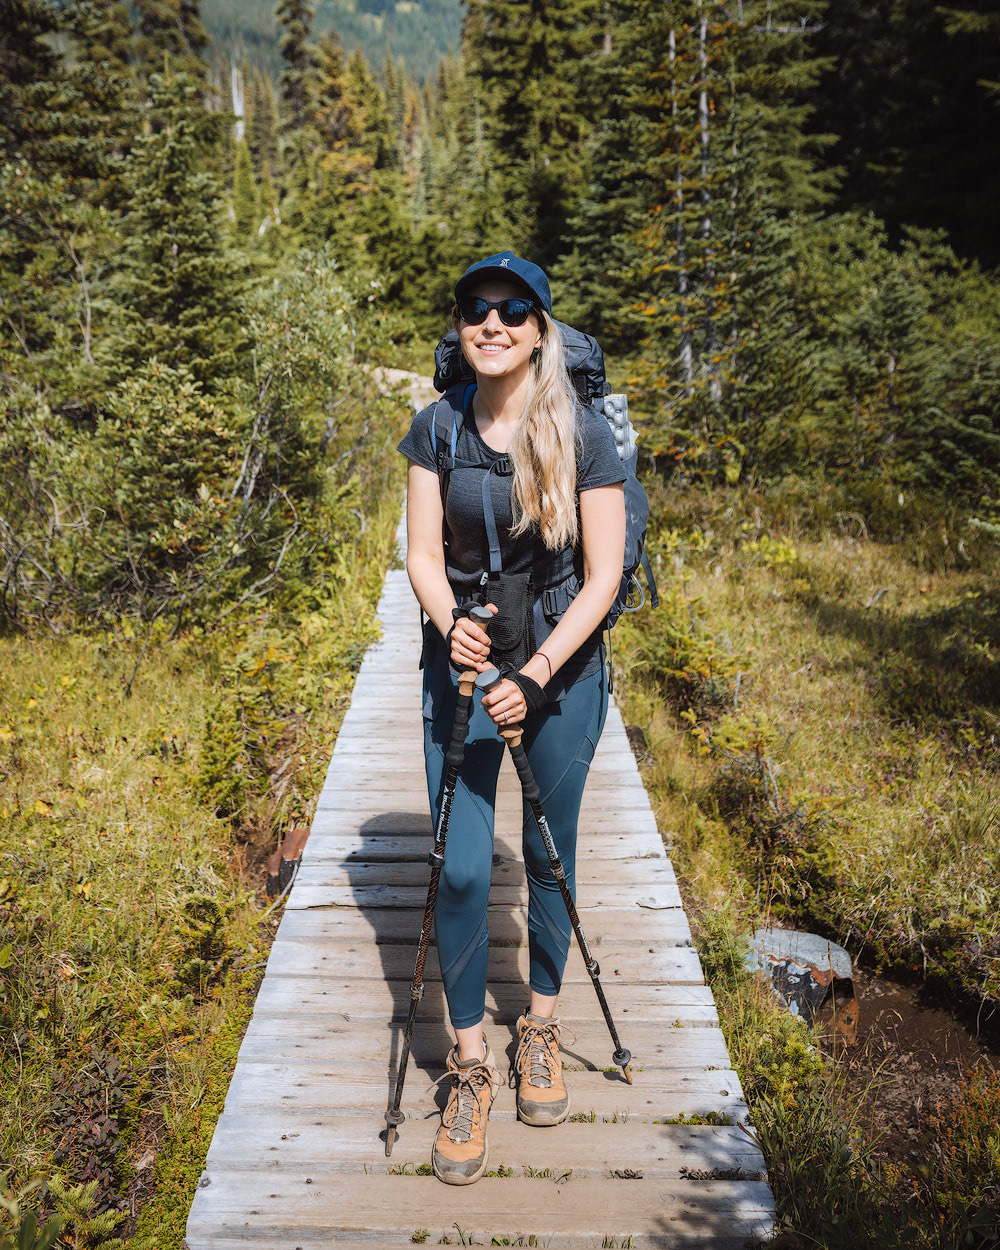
[449,416]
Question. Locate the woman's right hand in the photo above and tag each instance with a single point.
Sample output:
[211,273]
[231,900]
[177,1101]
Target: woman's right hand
[470,644]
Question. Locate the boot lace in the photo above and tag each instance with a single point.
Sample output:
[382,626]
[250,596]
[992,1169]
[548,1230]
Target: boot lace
[469,1101]
[537,1058]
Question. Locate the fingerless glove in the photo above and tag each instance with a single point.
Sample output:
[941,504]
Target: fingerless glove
[534,695]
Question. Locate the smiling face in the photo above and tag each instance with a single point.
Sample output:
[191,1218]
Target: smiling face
[493,349]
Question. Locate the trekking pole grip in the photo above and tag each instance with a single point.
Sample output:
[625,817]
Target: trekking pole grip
[511,734]
[483,617]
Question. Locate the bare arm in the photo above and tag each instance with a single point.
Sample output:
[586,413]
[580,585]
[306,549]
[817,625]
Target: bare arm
[425,546]
[425,567]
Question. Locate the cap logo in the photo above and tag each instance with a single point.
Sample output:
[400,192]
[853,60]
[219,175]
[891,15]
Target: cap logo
[504,263]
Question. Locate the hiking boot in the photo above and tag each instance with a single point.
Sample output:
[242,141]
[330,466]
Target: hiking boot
[460,1148]
[542,1098]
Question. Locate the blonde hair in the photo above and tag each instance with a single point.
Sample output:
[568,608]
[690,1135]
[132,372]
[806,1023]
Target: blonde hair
[543,448]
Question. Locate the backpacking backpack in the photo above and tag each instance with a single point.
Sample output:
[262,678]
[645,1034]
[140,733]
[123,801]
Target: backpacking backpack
[585,364]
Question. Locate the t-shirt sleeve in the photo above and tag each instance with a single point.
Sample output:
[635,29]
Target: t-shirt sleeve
[418,444]
[599,463]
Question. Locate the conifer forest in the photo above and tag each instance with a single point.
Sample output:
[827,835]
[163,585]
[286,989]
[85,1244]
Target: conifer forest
[221,226]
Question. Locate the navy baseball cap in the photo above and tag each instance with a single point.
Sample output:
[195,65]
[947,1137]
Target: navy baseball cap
[507,265]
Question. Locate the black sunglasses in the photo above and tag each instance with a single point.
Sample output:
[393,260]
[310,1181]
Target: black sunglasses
[513,312]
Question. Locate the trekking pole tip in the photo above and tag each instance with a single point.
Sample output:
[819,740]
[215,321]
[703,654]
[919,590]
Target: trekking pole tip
[392,1119]
[623,1058]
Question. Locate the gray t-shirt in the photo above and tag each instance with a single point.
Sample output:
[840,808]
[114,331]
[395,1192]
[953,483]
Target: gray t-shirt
[465,533]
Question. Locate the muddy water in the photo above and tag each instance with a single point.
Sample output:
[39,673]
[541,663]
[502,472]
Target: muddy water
[908,1061]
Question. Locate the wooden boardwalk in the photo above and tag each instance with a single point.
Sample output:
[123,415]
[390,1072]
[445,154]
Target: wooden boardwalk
[297,1160]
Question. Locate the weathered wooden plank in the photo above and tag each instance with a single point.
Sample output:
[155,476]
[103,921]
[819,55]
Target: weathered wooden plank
[683,1059]
[614,801]
[257,1092]
[199,1240]
[589,895]
[633,965]
[675,965]
[376,757]
[307,1239]
[386,734]
[643,874]
[380,999]
[399,926]
[415,820]
[610,749]
[361,848]
[312,1091]
[363,1091]
[347,1144]
[580,1213]
[375,708]
[607,814]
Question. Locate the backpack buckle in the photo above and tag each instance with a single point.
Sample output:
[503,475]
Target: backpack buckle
[504,467]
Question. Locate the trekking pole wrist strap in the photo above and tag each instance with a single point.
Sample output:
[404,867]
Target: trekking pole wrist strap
[534,695]
[459,613]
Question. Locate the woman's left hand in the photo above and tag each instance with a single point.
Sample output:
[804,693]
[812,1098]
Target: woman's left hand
[505,704]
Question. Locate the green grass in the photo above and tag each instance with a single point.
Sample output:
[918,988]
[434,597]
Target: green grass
[133,833]
[821,713]
[837,746]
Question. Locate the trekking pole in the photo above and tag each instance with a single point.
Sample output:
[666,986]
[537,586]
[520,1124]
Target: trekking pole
[456,753]
[512,734]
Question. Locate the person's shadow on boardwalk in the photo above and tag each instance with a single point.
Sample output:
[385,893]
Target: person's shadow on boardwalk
[388,875]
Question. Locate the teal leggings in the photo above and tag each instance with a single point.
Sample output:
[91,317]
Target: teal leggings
[560,741]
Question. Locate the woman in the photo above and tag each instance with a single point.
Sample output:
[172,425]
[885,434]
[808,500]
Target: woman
[546,470]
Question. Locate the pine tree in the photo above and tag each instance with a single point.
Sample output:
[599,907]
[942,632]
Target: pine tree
[330,109]
[778,68]
[326,163]
[104,31]
[295,19]
[28,68]
[67,115]
[98,66]
[985,26]
[462,211]
[599,277]
[246,196]
[371,123]
[702,136]
[350,190]
[527,55]
[178,288]
[687,294]
[262,125]
[403,106]
[170,37]
[394,84]
[63,126]
[907,94]
[30,268]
